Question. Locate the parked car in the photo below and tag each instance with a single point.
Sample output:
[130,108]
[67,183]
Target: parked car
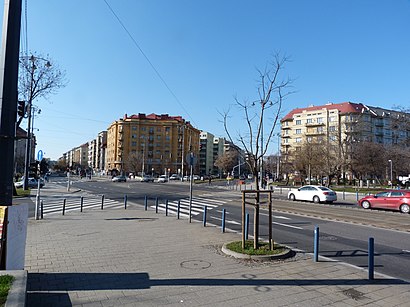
[398,200]
[313,193]
[161,179]
[175,177]
[32,183]
[120,178]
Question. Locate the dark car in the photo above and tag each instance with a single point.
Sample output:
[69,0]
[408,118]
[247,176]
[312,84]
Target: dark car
[398,200]
[119,179]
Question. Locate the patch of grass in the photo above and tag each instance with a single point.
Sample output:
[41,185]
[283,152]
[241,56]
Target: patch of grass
[5,285]
[23,193]
[249,250]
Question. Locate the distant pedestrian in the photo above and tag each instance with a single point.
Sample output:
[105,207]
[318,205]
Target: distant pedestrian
[209,180]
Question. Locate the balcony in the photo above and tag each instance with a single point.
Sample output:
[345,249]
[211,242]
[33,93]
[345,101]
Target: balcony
[319,132]
[314,124]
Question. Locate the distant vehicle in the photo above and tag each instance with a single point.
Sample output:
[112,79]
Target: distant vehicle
[161,179]
[32,183]
[175,177]
[313,193]
[120,178]
[398,200]
[147,178]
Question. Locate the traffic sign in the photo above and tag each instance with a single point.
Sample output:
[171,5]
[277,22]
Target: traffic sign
[40,155]
[191,159]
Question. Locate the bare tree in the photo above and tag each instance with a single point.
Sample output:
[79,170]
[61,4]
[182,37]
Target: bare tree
[134,162]
[272,91]
[227,161]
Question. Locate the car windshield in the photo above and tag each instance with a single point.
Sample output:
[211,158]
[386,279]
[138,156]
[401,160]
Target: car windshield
[324,189]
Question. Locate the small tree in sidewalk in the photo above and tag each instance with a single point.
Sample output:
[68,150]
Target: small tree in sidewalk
[264,111]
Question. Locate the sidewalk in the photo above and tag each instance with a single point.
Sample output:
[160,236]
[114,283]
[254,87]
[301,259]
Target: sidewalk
[134,257]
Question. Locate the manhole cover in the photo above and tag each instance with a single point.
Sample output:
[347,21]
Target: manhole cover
[354,294]
[195,264]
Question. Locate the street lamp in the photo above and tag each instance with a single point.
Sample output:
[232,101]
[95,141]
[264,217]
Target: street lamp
[391,173]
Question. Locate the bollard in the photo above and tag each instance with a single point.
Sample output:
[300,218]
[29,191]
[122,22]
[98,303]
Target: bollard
[204,216]
[178,208]
[146,203]
[316,245]
[280,190]
[125,201]
[81,203]
[344,195]
[156,205]
[223,220]
[246,226]
[64,201]
[371,258]
[166,207]
[357,195]
[102,202]
[41,209]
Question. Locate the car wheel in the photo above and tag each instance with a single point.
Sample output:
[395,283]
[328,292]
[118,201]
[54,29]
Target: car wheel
[316,199]
[405,208]
[292,197]
[366,204]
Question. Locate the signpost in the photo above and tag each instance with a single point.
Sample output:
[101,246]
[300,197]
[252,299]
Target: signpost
[191,159]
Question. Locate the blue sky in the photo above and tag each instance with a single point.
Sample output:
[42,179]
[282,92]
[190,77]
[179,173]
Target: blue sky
[208,52]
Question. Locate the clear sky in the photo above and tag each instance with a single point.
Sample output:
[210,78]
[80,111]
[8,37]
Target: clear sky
[208,52]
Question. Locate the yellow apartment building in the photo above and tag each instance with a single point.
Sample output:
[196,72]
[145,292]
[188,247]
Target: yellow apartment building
[150,144]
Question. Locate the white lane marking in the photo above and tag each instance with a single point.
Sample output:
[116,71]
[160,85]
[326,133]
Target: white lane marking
[284,225]
[277,216]
[227,221]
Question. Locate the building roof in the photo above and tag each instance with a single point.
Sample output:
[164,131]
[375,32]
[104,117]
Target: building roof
[153,116]
[343,108]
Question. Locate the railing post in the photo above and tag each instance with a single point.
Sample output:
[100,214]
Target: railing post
[204,216]
[64,201]
[125,201]
[371,258]
[246,226]
[316,245]
[41,209]
[166,207]
[156,205]
[81,203]
[102,202]
[146,203]
[223,220]
[344,196]
[178,209]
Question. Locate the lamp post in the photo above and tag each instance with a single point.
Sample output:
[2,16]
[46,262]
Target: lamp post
[391,173]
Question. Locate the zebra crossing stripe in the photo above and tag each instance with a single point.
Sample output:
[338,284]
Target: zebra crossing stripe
[197,204]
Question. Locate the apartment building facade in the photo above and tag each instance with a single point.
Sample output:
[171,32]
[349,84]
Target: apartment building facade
[151,143]
[96,152]
[211,148]
[341,126]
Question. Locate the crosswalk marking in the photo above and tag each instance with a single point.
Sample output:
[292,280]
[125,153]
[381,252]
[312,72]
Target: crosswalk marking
[197,206]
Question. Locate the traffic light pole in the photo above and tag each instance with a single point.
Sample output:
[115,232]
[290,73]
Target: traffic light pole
[9,62]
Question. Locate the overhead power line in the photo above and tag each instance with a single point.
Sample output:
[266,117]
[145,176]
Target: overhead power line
[148,60]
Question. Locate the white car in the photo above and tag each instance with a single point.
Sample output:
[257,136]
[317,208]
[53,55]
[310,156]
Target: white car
[161,179]
[313,193]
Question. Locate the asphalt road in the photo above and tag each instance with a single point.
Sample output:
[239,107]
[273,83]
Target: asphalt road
[344,227]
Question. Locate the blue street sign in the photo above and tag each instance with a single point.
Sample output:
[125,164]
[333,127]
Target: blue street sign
[40,155]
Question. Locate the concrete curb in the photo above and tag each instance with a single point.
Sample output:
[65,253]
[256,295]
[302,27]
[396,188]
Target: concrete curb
[286,254]
[17,293]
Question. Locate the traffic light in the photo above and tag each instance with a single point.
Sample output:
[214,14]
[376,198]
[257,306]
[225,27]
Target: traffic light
[34,169]
[21,108]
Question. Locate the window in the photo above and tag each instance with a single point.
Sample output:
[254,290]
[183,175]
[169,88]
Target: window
[285,141]
[298,140]
[319,120]
[298,122]
[143,128]
[158,137]
[332,128]
[134,136]
[309,139]
[332,119]
[298,131]
[151,129]
[133,128]
[167,129]
[133,143]
[167,138]
[309,121]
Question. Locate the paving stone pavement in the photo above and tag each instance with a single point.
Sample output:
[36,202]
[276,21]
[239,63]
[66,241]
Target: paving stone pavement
[134,257]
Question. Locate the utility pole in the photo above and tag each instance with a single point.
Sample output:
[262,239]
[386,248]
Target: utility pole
[9,62]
